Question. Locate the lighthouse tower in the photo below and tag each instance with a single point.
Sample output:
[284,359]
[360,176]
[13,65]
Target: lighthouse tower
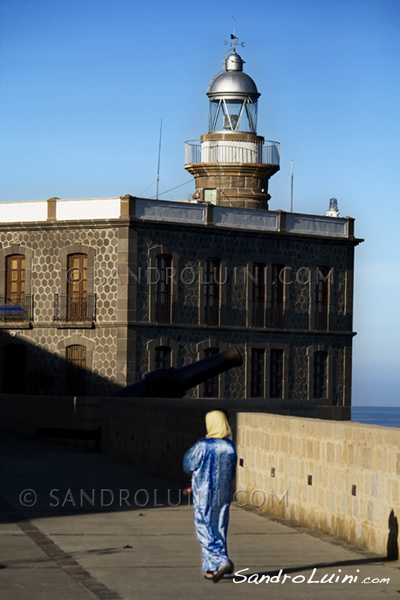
[232,164]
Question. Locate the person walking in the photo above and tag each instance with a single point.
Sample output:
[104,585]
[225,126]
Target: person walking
[212,464]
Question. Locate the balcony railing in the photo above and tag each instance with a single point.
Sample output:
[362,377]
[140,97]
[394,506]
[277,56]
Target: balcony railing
[272,314]
[228,152]
[275,315]
[321,317]
[16,309]
[163,311]
[75,308]
[211,314]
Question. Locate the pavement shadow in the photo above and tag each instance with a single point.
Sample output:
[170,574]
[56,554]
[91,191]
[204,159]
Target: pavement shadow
[40,479]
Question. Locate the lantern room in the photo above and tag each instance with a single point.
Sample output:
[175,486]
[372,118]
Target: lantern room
[233,98]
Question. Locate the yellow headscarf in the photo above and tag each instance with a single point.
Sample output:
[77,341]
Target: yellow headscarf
[217,425]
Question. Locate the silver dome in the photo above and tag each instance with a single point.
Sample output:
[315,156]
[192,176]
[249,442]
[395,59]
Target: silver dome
[232,82]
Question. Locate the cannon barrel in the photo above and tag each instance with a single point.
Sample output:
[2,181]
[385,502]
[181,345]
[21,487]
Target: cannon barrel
[174,383]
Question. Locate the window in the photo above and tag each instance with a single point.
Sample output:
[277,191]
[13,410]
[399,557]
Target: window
[210,387]
[163,288]
[77,287]
[257,372]
[321,291]
[75,356]
[258,281]
[277,295]
[15,306]
[76,302]
[320,374]
[276,373]
[210,195]
[16,277]
[162,357]
[13,369]
[211,291]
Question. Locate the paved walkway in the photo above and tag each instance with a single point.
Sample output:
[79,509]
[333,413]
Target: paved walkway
[78,538]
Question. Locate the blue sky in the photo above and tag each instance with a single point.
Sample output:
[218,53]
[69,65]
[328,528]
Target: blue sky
[85,83]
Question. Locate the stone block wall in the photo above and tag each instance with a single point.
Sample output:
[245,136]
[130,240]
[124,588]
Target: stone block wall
[46,248]
[338,477]
[186,332]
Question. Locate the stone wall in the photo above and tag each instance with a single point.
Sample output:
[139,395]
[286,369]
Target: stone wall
[46,249]
[337,477]
[188,331]
[23,415]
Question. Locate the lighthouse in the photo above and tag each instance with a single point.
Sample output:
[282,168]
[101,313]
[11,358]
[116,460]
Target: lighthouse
[232,165]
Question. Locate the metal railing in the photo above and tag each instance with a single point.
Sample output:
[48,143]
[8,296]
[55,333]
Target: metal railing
[227,152]
[270,314]
[276,315]
[321,317]
[211,314]
[16,309]
[162,310]
[75,307]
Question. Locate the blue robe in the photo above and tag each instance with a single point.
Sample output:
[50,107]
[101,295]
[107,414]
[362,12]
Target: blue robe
[212,463]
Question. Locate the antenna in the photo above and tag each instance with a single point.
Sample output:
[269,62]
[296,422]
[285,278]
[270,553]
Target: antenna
[234,40]
[158,166]
[291,189]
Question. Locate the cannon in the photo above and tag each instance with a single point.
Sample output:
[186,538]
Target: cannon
[174,383]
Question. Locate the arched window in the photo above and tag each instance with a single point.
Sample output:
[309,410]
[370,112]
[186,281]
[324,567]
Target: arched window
[211,291]
[210,387]
[162,357]
[257,381]
[163,264]
[15,305]
[276,373]
[76,301]
[163,288]
[277,295]
[320,374]
[13,369]
[258,279]
[77,287]
[322,279]
[75,356]
[15,286]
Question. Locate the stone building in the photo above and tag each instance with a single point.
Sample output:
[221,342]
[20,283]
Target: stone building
[97,292]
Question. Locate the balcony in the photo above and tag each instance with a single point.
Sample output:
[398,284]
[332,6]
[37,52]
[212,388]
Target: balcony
[209,151]
[16,309]
[277,315]
[75,308]
[271,315]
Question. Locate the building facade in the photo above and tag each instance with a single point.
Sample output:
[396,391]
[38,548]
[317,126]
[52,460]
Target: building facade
[94,293]
[93,303]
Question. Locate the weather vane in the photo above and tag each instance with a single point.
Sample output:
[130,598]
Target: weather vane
[234,40]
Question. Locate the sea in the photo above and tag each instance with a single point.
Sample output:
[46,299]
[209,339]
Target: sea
[385,416]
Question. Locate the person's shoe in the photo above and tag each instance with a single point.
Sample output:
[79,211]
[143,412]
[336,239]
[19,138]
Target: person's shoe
[222,571]
[231,570]
[208,574]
